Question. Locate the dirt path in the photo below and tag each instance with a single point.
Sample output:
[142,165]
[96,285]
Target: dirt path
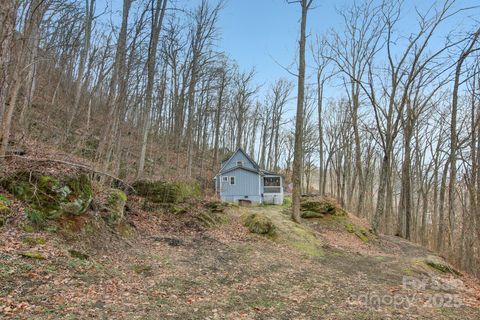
[220,273]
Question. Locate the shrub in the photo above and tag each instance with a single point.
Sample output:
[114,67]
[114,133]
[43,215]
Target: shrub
[259,223]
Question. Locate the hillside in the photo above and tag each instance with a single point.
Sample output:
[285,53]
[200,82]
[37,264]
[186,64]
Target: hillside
[196,259]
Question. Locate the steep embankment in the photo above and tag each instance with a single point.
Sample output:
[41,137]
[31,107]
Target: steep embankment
[198,260]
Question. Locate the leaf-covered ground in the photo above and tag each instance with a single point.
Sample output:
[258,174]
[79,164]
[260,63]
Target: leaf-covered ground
[163,267]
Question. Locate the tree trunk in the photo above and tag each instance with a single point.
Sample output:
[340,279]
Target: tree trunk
[297,156]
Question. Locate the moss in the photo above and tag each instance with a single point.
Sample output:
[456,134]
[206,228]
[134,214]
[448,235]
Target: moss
[78,254]
[259,223]
[34,240]
[311,214]
[317,206]
[5,201]
[50,195]
[167,192]
[27,227]
[5,212]
[350,227]
[439,265]
[308,249]
[115,206]
[32,255]
[360,232]
[287,201]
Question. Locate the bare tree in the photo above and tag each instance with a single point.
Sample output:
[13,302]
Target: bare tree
[297,158]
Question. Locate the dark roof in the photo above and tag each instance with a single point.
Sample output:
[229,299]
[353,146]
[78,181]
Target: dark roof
[270,173]
[241,167]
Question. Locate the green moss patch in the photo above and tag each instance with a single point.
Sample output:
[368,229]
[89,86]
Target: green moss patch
[299,237]
[167,192]
[259,223]
[360,232]
[33,241]
[51,195]
[5,211]
[438,264]
[317,207]
[116,200]
[32,255]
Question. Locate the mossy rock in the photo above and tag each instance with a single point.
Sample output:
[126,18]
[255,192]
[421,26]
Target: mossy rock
[32,255]
[315,207]
[53,196]
[167,192]
[438,264]
[116,200]
[360,232]
[259,223]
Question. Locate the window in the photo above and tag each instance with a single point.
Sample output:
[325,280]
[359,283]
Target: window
[271,181]
[232,180]
[224,179]
[272,185]
[240,163]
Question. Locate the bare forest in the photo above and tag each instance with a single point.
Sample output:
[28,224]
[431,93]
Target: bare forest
[381,113]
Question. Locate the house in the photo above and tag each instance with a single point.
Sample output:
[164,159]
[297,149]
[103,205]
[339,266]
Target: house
[241,180]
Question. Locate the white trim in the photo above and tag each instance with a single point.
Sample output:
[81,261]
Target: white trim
[260,191]
[225,178]
[234,180]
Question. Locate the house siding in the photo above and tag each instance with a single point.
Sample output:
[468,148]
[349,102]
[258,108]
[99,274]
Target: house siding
[246,184]
[239,156]
[249,184]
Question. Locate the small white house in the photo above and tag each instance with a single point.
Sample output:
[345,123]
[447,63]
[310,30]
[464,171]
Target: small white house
[241,180]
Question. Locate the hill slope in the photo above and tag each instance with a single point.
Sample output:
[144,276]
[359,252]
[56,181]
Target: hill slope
[161,265]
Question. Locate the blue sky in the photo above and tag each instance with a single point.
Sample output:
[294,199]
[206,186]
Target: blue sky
[264,33]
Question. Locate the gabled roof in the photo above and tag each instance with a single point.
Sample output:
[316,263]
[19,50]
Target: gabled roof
[255,165]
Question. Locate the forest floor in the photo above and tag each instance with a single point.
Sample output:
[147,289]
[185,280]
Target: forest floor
[164,268]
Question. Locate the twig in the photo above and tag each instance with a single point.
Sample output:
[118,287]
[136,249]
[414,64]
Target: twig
[73,164]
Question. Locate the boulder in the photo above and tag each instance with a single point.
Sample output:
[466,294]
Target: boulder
[166,192]
[259,223]
[439,264]
[315,207]
[53,196]
[115,205]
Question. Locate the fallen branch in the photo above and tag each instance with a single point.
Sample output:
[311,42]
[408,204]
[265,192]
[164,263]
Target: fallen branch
[73,164]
